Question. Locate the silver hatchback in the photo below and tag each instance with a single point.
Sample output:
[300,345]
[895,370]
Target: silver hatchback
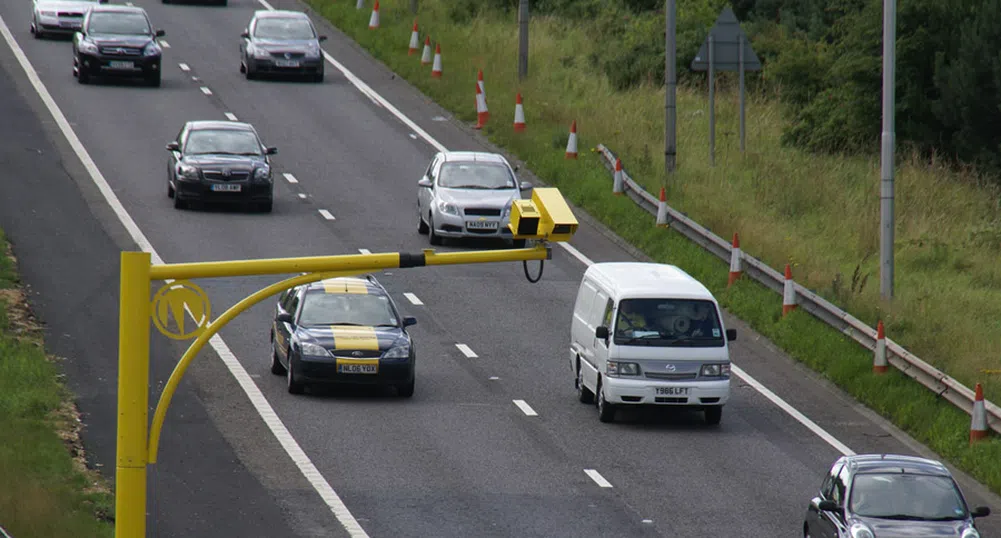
[467,194]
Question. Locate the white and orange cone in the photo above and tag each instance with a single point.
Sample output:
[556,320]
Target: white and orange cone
[617,178]
[662,209]
[572,142]
[788,293]
[479,82]
[415,40]
[978,426]
[373,21]
[736,261]
[879,364]
[519,115]
[482,114]
[436,68]
[426,55]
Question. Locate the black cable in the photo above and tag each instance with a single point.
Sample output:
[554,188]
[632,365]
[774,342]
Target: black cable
[524,264]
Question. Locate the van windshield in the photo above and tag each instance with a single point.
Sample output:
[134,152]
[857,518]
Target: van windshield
[667,323]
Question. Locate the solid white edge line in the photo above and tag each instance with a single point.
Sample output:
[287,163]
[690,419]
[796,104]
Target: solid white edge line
[598,479]
[206,90]
[413,299]
[230,116]
[289,177]
[326,214]
[184,67]
[364,251]
[525,408]
[252,391]
[467,351]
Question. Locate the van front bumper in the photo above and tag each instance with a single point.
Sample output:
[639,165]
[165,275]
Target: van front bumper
[641,391]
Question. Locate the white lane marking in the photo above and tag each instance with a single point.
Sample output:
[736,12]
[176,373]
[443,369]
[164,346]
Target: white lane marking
[290,178]
[230,116]
[164,44]
[326,214]
[254,394]
[413,299]
[364,251]
[184,67]
[466,351]
[129,4]
[525,408]
[598,479]
[206,90]
[302,195]
[412,135]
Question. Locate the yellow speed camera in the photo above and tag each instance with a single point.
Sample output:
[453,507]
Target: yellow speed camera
[546,216]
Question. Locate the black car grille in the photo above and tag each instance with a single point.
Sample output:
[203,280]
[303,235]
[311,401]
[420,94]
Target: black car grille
[120,51]
[360,354]
[231,175]
[672,377]
[70,14]
[482,211]
[288,55]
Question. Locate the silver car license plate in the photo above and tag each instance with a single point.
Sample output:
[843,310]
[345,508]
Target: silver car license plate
[481,224]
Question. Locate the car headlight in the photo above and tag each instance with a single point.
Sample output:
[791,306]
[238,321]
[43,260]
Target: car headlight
[970,532]
[313,52]
[314,350]
[715,370]
[399,351]
[448,208]
[186,171]
[87,47]
[860,530]
[152,49]
[262,174]
[261,54]
[507,212]
[615,368]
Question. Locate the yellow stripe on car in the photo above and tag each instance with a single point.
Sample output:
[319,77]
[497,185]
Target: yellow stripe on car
[364,338]
[346,285]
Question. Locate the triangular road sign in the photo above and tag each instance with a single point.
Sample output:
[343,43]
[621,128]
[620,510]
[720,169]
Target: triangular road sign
[727,35]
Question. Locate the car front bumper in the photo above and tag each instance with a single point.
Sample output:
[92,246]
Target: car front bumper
[643,391]
[324,371]
[448,225]
[305,66]
[202,190]
[126,66]
[58,25]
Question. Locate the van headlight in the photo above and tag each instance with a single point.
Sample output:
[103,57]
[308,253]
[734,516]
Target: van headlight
[860,530]
[616,368]
[715,370]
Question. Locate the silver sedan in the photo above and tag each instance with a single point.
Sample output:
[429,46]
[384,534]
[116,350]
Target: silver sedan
[59,17]
[467,194]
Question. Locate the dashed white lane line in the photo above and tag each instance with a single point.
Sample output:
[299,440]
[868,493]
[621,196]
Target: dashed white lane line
[525,408]
[230,116]
[164,44]
[364,251]
[598,479]
[326,214]
[413,299]
[466,351]
[253,392]
[184,67]
[302,195]
[206,90]
[290,178]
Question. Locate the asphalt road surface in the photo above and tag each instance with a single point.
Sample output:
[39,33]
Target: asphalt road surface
[493,443]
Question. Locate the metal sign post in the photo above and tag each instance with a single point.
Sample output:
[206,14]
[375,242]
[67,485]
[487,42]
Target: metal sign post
[522,39]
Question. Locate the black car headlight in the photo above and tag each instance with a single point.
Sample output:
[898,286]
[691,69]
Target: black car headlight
[260,54]
[152,49]
[87,47]
[263,174]
[310,349]
[400,350]
[186,171]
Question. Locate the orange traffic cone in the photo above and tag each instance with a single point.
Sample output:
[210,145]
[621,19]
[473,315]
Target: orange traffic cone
[662,209]
[436,68]
[879,365]
[414,40]
[519,115]
[788,293]
[426,55]
[572,142]
[978,426]
[373,21]
[736,259]
[482,114]
[617,178]
[479,82]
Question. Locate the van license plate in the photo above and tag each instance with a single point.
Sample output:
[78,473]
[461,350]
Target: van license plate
[672,391]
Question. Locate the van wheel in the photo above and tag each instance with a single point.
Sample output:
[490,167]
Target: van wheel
[606,411]
[714,414]
[584,394]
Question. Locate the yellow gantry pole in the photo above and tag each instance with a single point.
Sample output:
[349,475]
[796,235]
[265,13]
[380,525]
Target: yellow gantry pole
[133,396]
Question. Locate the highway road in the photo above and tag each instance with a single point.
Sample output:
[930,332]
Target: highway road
[493,443]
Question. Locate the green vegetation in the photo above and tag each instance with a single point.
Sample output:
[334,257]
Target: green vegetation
[47,491]
[817,211]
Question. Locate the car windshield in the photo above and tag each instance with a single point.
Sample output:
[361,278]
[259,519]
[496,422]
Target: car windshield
[283,28]
[906,496]
[364,309]
[668,323]
[118,24]
[222,141]
[468,175]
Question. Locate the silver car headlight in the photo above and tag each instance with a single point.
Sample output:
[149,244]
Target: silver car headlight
[616,368]
[970,532]
[314,350]
[263,173]
[313,52]
[860,530]
[447,208]
[186,171]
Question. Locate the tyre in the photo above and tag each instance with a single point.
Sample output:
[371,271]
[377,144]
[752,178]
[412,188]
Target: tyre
[606,411]
[37,32]
[422,227]
[170,191]
[433,238]
[179,203]
[584,394]
[82,76]
[714,414]
[406,390]
[294,385]
[276,366]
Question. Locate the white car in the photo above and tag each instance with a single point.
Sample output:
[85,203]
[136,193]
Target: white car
[467,194]
[59,17]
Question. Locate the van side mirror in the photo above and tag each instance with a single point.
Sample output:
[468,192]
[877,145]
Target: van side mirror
[828,506]
[731,335]
[409,320]
[285,317]
[601,332]
[980,511]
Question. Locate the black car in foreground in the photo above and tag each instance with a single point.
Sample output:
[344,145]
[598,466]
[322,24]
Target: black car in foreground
[281,42]
[342,331]
[890,496]
[116,40]
[220,161]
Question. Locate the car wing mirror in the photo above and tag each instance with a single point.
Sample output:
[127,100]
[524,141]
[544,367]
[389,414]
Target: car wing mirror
[245,34]
[160,33]
[828,505]
[173,146]
[322,38]
[424,182]
[601,332]
[731,335]
[980,511]
[525,186]
[272,150]
[409,320]
[285,317]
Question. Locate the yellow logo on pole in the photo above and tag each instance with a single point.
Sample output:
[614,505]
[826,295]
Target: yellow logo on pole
[171,302]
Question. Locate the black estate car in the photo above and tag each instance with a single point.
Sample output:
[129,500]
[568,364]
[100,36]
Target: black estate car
[119,41]
[342,331]
[889,496]
[281,42]
[220,161]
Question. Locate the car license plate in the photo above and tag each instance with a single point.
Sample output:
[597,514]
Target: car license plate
[226,188]
[672,391]
[350,368]
[287,63]
[69,24]
[120,65]
[481,224]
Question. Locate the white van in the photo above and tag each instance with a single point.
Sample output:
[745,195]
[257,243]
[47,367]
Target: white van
[649,333]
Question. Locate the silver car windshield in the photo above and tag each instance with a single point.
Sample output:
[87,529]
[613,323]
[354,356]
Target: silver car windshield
[470,175]
[222,141]
[118,24]
[667,322]
[321,308]
[906,497]
[283,28]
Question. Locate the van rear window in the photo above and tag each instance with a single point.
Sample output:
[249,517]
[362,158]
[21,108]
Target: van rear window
[667,323]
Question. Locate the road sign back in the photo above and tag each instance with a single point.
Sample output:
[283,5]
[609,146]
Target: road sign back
[727,35]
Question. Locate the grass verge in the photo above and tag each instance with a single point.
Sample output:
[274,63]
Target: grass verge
[47,490]
[818,213]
